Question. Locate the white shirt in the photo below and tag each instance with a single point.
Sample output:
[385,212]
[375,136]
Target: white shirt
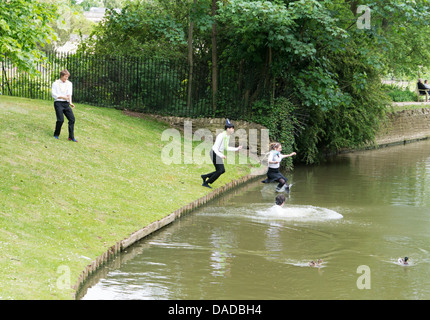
[61,89]
[221,143]
[274,156]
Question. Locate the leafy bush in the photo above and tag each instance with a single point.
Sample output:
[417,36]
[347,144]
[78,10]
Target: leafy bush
[399,95]
[281,122]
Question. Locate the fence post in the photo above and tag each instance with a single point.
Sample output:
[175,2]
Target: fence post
[5,76]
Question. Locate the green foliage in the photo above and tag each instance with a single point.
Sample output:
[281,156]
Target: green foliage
[69,20]
[401,34]
[281,122]
[251,27]
[139,29]
[344,101]
[25,24]
[399,95]
[310,52]
[87,4]
[329,78]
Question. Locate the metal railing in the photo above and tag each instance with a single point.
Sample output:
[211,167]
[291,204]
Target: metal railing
[140,84]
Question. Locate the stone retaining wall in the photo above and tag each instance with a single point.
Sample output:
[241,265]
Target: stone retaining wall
[400,127]
[404,126]
[243,129]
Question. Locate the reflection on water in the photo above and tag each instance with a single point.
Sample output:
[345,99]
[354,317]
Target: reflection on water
[360,209]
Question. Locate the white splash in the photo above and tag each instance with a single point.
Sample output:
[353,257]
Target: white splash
[302,213]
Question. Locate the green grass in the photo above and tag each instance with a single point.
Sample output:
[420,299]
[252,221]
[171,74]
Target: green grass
[63,203]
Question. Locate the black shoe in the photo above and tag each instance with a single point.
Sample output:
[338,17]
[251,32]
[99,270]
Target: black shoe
[204,184]
[203,178]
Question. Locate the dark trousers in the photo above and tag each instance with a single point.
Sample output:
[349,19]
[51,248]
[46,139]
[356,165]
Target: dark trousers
[219,168]
[273,174]
[62,108]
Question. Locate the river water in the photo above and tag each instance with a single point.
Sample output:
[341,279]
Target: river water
[358,212]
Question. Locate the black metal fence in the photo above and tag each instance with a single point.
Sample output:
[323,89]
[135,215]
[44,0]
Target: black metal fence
[144,85]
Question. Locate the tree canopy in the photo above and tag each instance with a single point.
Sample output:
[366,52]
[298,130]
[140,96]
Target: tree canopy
[25,24]
[320,60]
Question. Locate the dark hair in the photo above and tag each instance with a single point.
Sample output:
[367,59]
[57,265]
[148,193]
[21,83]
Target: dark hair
[228,125]
[280,199]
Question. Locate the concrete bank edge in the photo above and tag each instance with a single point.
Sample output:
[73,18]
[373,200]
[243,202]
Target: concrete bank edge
[121,245]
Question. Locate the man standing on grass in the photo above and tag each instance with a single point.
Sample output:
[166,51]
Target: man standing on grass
[62,94]
[217,154]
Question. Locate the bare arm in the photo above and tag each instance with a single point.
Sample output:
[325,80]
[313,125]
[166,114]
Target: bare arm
[289,155]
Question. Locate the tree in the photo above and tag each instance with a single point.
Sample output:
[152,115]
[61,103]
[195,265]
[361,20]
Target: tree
[396,42]
[190,56]
[310,52]
[69,19]
[323,63]
[140,29]
[25,24]
[214,57]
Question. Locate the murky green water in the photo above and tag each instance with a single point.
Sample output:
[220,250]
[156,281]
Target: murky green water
[359,213]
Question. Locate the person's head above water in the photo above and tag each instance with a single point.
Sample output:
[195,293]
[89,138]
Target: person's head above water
[403,260]
[280,199]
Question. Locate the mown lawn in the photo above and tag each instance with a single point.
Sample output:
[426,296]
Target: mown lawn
[62,204]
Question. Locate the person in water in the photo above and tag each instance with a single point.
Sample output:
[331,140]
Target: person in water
[316,264]
[274,161]
[403,261]
[217,155]
[280,200]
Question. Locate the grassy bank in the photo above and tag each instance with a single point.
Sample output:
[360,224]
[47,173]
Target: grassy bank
[400,106]
[62,204]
